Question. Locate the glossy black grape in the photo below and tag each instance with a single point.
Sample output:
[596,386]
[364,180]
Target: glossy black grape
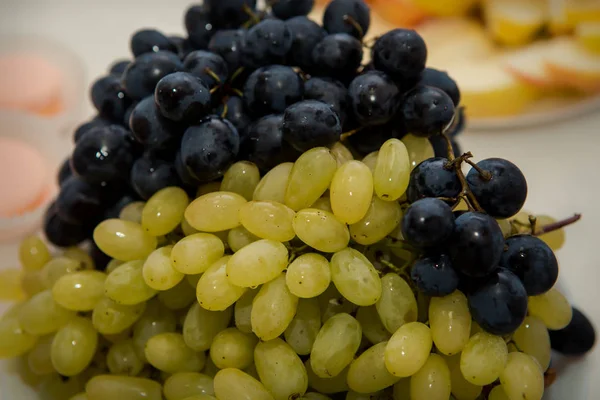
[208,149]
[577,338]
[151,129]
[270,90]
[78,200]
[503,195]
[477,244]
[182,97]
[371,138]
[61,233]
[198,26]
[441,80]
[64,172]
[100,259]
[499,305]
[87,126]
[149,174]
[440,148]
[103,155]
[264,145]
[127,197]
[401,53]
[432,178]
[427,223]
[142,75]
[533,261]
[286,9]
[338,55]
[235,113]
[183,45]
[109,98]
[309,124]
[230,13]
[204,64]
[228,44]
[183,173]
[337,13]
[305,36]
[266,43]
[434,276]
[374,98]
[328,91]
[150,41]
[118,67]
[427,110]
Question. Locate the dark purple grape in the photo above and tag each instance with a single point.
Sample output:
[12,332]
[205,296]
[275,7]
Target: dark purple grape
[374,98]
[328,91]
[433,178]
[228,44]
[502,193]
[235,113]
[150,174]
[264,145]
[427,223]
[142,75]
[151,129]
[230,13]
[183,45]
[427,111]
[434,276]
[100,259]
[61,233]
[371,138]
[266,43]
[270,90]
[64,172]
[183,173]
[305,36]
[182,97]
[109,98]
[150,41]
[338,56]
[206,65]
[78,200]
[198,26]
[309,124]
[286,9]
[118,67]
[577,338]
[342,16]
[401,53]
[87,126]
[441,80]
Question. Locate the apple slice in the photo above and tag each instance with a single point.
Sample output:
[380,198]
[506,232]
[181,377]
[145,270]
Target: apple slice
[514,22]
[528,64]
[455,8]
[569,63]
[588,34]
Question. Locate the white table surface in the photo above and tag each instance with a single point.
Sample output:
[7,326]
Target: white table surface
[560,160]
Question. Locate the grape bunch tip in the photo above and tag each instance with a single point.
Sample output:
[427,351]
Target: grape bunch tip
[254,213]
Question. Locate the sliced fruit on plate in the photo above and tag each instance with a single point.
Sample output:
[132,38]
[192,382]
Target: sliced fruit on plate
[514,22]
[399,12]
[528,64]
[557,17]
[578,11]
[444,8]
[588,35]
[569,63]
[489,90]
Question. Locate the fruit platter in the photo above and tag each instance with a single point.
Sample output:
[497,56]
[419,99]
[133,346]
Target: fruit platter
[273,207]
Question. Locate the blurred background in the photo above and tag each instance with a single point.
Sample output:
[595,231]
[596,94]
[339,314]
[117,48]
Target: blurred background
[529,72]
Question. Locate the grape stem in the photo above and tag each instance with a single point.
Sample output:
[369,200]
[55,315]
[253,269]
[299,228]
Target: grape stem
[532,223]
[349,20]
[225,109]
[237,73]
[253,17]
[485,175]
[212,74]
[346,135]
[557,225]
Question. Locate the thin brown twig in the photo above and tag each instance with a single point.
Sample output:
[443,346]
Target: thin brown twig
[346,135]
[557,225]
[350,20]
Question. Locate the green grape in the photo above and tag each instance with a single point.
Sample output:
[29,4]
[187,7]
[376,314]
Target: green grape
[186,228]
[57,387]
[273,309]
[184,385]
[355,277]
[380,395]
[214,212]
[392,170]
[233,384]
[554,239]
[302,331]
[133,212]
[112,265]
[332,302]
[310,178]
[397,305]
[74,346]
[419,149]
[206,188]
[408,348]
[381,219]
[155,320]
[240,237]
[268,220]
[178,297]
[80,396]
[532,338]
[335,345]
[280,369]
[323,203]
[351,191]
[498,393]
[335,384]
[432,381]
[231,348]
[126,284]
[321,230]
[483,358]
[522,378]
[505,227]
[38,359]
[257,263]
[368,373]
[243,311]
[158,272]
[461,388]
[122,359]
[308,275]
[552,308]
[210,368]
[193,279]
[110,317]
[450,322]
[80,291]
[401,390]
[215,292]
[105,387]
[163,212]
[372,327]
[42,315]
[33,253]
[341,153]
[475,328]
[33,282]
[314,396]
[78,254]
[370,160]
[241,178]
[54,269]
[273,185]
[124,240]
[195,253]
[168,352]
